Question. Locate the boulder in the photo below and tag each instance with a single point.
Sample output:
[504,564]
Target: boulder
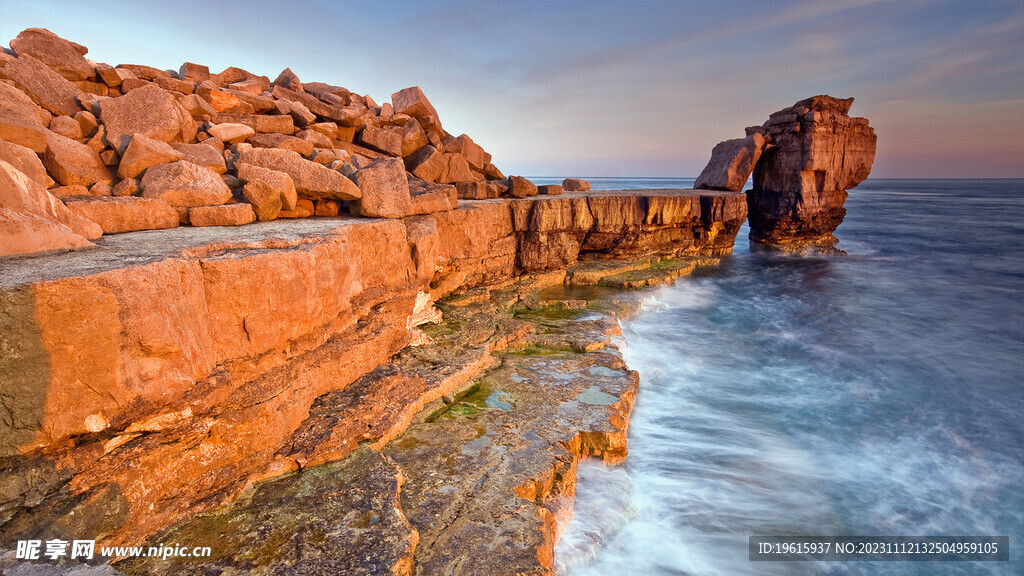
[201,154]
[316,139]
[175,85]
[44,86]
[817,152]
[143,152]
[198,108]
[197,72]
[222,101]
[282,141]
[87,122]
[495,188]
[731,163]
[225,215]
[413,137]
[427,163]
[117,214]
[21,119]
[288,79]
[265,199]
[431,197]
[150,111]
[413,102]
[311,179]
[69,191]
[126,187]
[575,185]
[229,132]
[471,190]
[63,57]
[71,162]
[113,77]
[66,126]
[387,141]
[472,152]
[279,181]
[521,187]
[550,189]
[298,111]
[22,233]
[183,183]
[262,124]
[327,208]
[385,190]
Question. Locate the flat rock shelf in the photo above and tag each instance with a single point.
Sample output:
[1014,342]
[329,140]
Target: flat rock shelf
[379,396]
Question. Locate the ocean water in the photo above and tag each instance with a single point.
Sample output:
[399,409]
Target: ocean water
[879,392]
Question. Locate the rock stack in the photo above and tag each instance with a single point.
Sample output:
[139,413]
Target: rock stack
[91,149]
[804,159]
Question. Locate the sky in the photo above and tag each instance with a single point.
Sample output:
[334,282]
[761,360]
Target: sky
[598,88]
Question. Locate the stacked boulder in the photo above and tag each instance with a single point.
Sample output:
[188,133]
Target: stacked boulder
[132,147]
[804,159]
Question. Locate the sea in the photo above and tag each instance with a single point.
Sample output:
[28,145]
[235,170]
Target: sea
[876,392]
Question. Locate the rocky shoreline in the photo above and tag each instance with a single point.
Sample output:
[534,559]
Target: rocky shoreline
[283,346]
[320,334]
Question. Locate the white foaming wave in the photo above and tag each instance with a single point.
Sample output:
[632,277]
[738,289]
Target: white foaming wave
[691,295]
[604,505]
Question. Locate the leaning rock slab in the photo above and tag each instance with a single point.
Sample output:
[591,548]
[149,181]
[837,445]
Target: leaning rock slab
[183,183]
[44,86]
[311,179]
[731,163]
[64,57]
[125,213]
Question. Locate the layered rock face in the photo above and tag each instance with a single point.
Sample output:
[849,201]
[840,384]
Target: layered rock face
[804,159]
[158,376]
[818,153]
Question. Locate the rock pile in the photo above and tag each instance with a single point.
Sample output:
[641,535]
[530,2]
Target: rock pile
[125,146]
[804,159]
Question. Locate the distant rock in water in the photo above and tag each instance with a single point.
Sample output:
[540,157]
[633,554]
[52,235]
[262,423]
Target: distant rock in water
[810,154]
[817,153]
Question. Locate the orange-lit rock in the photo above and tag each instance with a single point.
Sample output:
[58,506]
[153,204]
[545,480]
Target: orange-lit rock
[817,153]
[124,214]
[150,111]
[64,57]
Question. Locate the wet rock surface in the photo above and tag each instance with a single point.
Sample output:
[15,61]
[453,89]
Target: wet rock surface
[340,518]
[509,394]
